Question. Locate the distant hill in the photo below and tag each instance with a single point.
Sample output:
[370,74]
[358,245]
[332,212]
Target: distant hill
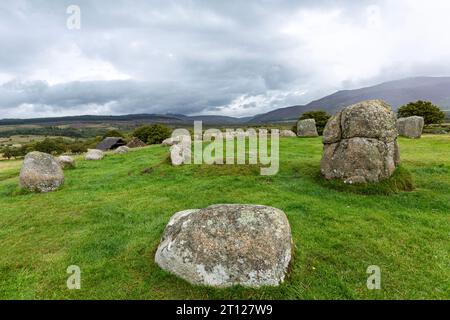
[396,93]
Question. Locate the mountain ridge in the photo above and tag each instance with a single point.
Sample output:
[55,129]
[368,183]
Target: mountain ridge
[396,93]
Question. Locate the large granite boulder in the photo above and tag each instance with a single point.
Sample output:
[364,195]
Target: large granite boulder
[410,127]
[360,143]
[40,172]
[307,128]
[227,244]
[94,154]
[66,162]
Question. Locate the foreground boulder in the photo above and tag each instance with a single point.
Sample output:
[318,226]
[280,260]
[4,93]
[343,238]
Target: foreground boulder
[287,133]
[66,162]
[227,244]
[40,173]
[410,127]
[94,154]
[307,128]
[360,143]
[122,150]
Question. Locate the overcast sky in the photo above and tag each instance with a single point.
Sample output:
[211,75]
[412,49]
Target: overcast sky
[236,58]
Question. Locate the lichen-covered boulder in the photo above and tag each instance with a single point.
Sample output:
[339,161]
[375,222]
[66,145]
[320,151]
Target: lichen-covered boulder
[307,128]
[66,162]
[410,127]
[94,154]
[122,150]
[287,133]
[360,143]
[227,244]
[40,172]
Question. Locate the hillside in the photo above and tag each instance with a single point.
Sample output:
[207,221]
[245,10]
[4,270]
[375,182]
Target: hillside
[396,93]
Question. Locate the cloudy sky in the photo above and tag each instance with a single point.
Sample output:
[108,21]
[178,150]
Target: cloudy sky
[236,58]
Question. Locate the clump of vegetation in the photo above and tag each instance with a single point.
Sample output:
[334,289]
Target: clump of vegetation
[400,181]
[152,134]
[321,118]
[430,112]
[114,133]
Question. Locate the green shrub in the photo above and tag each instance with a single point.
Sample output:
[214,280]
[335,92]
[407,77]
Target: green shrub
[114,133]
[321,118]
[152,134]
[51,146]
[425,109]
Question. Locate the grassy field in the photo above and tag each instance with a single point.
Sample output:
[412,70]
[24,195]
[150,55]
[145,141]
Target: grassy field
[109,216]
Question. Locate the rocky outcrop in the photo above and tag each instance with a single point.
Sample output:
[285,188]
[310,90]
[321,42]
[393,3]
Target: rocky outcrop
[307,128]
[410,127]
[225,245]
[360,143]
[40,173]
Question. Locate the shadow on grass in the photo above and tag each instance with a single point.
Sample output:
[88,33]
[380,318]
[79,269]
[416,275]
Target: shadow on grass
[400,181]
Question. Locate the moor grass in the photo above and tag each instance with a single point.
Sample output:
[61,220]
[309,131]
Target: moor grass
[109,216]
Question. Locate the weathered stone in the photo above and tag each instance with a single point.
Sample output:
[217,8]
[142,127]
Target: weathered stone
[360,143]
[94,154]
[66,162]
[410,127]
[40,172]
[287,133]
[122,150]
[307,128]
[136,143]
[225,245]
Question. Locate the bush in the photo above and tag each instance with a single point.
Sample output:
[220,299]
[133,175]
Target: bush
[425,109]
[11,152]
[51,146]
[114,133]
[152,134]
[321,118]
[77,147]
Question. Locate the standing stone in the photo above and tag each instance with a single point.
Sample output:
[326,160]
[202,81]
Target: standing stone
[94,154]
[360,143]
[410,127]
[122,150]
[307,128]
[66,162]
[227,244]
[40,172]
[287,133]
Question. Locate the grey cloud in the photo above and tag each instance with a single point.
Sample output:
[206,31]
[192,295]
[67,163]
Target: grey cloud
[198,56]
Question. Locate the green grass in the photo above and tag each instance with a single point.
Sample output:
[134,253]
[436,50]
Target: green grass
[109,216]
